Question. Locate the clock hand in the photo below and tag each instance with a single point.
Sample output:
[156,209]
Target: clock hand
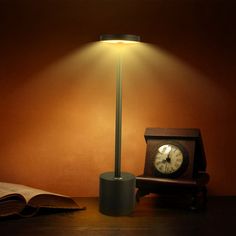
[166,166]
[168,159]
[163,160]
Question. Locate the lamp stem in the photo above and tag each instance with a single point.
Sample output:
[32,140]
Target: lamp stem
[118,129]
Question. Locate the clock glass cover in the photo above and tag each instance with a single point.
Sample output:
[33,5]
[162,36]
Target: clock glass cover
[169,159]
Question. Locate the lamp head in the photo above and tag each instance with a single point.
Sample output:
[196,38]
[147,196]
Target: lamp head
[120,38]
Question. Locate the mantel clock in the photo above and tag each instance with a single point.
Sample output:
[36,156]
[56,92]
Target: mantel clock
[175,164]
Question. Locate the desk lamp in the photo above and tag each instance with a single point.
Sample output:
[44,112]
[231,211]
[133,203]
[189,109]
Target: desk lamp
[117,189]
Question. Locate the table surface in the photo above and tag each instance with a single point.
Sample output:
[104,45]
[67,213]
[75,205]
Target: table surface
[148,218]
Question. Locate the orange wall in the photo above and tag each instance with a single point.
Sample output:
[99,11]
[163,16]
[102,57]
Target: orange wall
[57,88]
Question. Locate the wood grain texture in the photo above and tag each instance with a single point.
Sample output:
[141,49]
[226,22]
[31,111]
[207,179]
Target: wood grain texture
[149,218]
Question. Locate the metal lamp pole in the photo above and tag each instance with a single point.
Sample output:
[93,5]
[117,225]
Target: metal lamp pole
[118,130]
[117,189]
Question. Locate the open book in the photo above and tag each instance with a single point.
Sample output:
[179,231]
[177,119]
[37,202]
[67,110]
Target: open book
[25,201]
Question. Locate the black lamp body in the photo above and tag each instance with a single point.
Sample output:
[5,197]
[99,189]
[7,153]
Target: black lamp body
[117,189]
[117,195]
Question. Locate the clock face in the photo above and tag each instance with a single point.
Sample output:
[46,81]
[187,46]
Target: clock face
[169,159]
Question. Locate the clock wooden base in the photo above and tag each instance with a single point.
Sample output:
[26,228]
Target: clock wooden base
[195,190]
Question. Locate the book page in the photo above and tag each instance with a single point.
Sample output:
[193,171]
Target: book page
[11,207]
[24,200]
[7,189]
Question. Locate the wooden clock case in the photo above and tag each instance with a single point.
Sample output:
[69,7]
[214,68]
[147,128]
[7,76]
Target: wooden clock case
[191,181]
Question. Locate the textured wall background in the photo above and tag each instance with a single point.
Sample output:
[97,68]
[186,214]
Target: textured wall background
[57,87]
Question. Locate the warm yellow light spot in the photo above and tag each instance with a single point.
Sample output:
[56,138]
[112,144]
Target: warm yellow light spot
[120,41]
[119,38]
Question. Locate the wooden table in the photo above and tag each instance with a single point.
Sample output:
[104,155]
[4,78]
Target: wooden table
[147,219]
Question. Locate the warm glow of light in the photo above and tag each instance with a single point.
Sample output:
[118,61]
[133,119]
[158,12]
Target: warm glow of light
[120,41]
[66,112]
[119,38]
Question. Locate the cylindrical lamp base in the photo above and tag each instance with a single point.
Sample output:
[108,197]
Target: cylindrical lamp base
[117,195]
